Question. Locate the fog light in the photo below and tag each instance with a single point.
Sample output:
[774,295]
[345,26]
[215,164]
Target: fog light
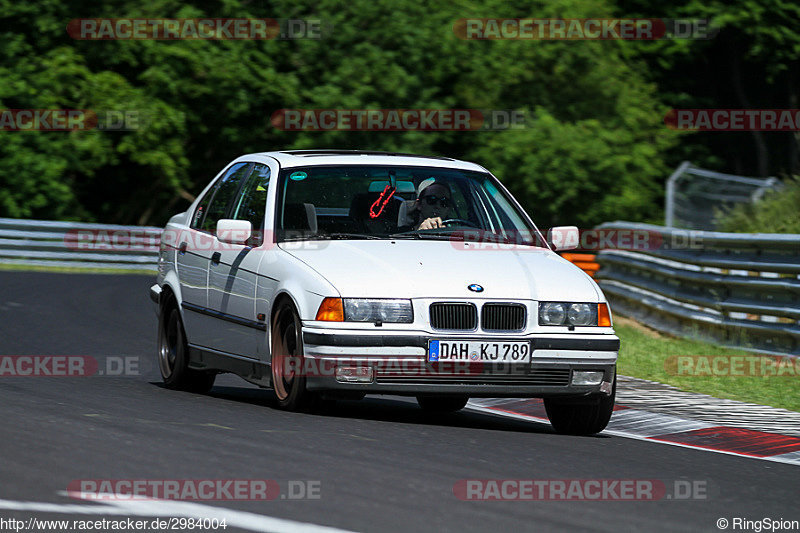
[354,374]
[583,377]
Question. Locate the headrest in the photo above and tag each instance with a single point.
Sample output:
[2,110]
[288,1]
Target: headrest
[302,217]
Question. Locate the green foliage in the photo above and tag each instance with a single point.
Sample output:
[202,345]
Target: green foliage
[593,147]
[752,62]
[776,212]
[646,354]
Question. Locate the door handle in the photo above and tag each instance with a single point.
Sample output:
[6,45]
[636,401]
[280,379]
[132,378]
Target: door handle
[182,248]
[216,257]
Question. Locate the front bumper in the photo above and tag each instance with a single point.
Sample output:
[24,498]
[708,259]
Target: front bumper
[155,297]
[399,365]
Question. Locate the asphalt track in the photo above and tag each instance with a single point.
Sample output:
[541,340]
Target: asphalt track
[382,464]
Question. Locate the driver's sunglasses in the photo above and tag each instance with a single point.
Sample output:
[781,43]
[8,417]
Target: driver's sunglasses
[432,199]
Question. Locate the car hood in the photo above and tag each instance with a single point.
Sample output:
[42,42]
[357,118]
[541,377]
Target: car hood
[444,269]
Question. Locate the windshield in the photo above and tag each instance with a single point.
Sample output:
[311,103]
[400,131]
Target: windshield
[381,202]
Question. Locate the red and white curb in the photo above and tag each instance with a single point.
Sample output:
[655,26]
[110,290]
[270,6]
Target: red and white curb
[703,431]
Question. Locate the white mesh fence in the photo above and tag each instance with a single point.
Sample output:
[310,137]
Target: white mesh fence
[696,196]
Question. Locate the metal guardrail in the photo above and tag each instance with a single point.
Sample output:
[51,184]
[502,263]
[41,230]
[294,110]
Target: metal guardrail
[78,245]
[108,246]
[739,290]
[734,289]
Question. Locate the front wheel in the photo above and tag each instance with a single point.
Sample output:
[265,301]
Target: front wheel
[288,374]
[571,418]
[442,404]
[173,355]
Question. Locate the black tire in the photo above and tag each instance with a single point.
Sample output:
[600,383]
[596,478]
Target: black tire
[173,355]
[288,379]
[442,404]
[581,418]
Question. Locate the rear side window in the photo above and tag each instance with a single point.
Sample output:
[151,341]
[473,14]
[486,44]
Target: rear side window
[252,202]
[202,207]
[217,200]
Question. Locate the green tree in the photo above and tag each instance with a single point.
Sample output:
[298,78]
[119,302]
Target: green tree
[776,212]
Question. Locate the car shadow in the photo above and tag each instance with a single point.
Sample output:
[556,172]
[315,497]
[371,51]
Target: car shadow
[395,409]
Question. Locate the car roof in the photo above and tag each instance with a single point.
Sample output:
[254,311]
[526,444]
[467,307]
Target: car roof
[304,158]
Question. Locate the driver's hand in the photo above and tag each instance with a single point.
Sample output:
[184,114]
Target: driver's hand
[430,223]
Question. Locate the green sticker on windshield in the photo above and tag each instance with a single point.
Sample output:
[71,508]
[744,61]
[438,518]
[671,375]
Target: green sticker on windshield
[297,176]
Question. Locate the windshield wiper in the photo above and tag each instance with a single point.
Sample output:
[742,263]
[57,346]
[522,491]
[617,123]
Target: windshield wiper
[337,236]
[417,234]
[498,237]
[440,234]
[333,237]
[503,239]
[460,235]
[404,235]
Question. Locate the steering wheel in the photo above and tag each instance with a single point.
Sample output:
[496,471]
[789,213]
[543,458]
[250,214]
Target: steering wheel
[459,222]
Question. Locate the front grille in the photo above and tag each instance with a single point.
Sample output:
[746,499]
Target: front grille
[503,317]
[454,316]
[553,377]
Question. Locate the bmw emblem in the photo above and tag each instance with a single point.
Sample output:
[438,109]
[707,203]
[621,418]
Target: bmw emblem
[475,287]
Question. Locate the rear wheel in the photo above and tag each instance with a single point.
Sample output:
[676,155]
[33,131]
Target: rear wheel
[288,377]
[173,355]
[572,418]
[442,404]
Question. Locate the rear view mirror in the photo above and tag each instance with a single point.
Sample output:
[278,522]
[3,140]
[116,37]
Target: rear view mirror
[563,238]
[234,231]
[403,186]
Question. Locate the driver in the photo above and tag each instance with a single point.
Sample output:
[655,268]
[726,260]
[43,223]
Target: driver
[433,204]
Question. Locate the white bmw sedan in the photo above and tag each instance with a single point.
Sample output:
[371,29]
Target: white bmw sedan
[329,274]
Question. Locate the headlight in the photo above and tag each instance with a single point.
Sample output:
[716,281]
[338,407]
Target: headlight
[567,314]
[582,315]
[372,310]
[552,314]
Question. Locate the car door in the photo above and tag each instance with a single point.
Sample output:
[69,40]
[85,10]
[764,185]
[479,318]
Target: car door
[196,246]
[233,274]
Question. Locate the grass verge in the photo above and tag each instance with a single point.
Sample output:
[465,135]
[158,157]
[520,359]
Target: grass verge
[75,270]
[645,353]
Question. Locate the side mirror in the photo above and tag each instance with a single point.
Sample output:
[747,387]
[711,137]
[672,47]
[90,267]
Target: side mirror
[563,237]
[234,231]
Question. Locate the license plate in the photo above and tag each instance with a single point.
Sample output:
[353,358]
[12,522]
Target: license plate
[491,352]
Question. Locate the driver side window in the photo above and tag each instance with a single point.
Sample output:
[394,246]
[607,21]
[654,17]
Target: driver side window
[252,202]
[215,203]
